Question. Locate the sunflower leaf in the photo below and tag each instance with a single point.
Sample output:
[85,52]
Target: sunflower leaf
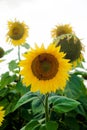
[62,104]
[26,45]
[31,125]
[13,65]
[29,96]
[8,51]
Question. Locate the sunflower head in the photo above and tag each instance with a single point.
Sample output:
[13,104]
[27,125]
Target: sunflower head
[71,45]
[17,32]
[61,29]
[45,69]
[2,114]
[1,52]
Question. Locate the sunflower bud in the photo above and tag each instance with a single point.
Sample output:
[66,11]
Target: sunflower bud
[1,52]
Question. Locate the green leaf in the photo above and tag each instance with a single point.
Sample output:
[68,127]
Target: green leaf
[75,87]
[72,123]
[8,51]
[80,110]
[6,79]
[29,96]
[51,125]
[26,45]
[83,100]
[10,107]
[4,92]
[43,127]
[37,105]
[13,65]
[31,125]
[20,88]
[62,104]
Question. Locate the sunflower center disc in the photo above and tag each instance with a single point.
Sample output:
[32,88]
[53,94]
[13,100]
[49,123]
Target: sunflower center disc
[45,66]
[17,32]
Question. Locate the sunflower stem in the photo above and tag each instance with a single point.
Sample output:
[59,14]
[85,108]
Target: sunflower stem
[46,108]
[19,58]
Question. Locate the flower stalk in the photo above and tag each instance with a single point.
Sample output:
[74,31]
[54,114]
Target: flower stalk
[19,58]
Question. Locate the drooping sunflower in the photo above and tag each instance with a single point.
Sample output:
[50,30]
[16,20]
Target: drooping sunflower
[45,69]
[72,46]
[17,32]
[61,29]
[2,114]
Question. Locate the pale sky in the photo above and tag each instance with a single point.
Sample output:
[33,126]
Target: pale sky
[41,16]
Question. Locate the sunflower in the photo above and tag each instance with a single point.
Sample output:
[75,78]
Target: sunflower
[17,32]
[61,29]
[45,69]
[2,114]
[72,46]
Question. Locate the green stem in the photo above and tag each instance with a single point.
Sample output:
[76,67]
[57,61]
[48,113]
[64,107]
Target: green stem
[46,108]
[19,58]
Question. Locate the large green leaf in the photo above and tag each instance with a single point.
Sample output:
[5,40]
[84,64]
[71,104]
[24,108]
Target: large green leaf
[37,105]
[29,96]
[31,125]
[51,125]
[62,104]
[75,87]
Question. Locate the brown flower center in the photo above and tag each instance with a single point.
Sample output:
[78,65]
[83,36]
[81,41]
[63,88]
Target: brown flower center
[45,66]
[17,32]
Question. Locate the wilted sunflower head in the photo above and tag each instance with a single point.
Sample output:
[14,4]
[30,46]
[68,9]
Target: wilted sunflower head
[2,114]
[61,29]
[71,45]
[45,69]
[1,52]
[17,32]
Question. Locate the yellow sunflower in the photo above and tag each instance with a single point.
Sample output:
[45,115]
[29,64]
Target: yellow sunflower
[61,29]
[45,69]
[17,32]
[2,114]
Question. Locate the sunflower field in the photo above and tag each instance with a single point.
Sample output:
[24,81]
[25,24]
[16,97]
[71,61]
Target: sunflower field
[45,87]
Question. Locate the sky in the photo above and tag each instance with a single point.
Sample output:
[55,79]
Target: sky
[41,16]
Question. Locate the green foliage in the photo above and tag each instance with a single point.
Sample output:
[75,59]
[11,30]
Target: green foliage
[35,125]
[62,104]
[25,99]
[37,105]
[75,87]
[7,79]
[8,51]
[25,110]
[13,65]
[26,45]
